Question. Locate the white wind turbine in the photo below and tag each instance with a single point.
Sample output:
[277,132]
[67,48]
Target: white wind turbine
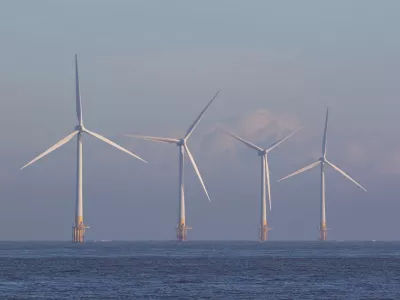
[265,179]
[321,162]
[183,147]
[79,227]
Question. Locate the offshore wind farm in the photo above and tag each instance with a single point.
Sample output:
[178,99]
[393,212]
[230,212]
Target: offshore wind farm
[79,226]
[190,152]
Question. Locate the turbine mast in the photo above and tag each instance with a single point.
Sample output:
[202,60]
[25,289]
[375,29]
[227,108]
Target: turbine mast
[322,228]
[78,231]
[181,228]
[263,224]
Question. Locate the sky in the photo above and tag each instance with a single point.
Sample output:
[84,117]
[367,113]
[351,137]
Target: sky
[149,67]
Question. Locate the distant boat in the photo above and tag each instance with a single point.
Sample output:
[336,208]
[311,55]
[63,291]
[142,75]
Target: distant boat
[102,241]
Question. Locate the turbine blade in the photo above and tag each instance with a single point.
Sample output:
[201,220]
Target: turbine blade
[325,134]
[78,95]
[268,181]
[153,138]
[277,143]
[309,167]
[52,148]
[193,126]
[196,170]
[102,138]
[247,143]
[344,174]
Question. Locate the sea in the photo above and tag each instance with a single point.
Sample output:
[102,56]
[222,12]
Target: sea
[200,270]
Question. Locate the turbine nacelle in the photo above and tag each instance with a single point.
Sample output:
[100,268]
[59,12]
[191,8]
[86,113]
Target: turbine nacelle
[80,128]
[262,152]
[181,142]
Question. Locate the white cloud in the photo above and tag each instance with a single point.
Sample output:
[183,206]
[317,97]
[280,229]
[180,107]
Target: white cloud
[261,127]
[391,162]
[371,156]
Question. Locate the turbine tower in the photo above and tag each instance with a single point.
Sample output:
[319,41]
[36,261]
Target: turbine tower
[181,227]
[78,230]
[265,180]
[321,162]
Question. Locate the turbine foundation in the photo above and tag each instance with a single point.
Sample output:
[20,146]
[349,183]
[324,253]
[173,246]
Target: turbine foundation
[323,232]
[181,232]
[264,232]
[78,233]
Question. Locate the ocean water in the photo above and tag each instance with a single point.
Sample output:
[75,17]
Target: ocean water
[200,270]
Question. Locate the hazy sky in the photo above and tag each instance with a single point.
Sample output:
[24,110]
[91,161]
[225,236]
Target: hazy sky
[149,67]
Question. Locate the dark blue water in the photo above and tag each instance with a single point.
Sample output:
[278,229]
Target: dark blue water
[200,270]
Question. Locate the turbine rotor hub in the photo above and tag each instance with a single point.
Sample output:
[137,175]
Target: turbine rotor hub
[262,152]
[181,142]
[80,128]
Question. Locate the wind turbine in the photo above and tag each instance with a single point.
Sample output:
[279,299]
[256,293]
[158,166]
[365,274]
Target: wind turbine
[181,227]
[79,227]
[265,180]
[321,162]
